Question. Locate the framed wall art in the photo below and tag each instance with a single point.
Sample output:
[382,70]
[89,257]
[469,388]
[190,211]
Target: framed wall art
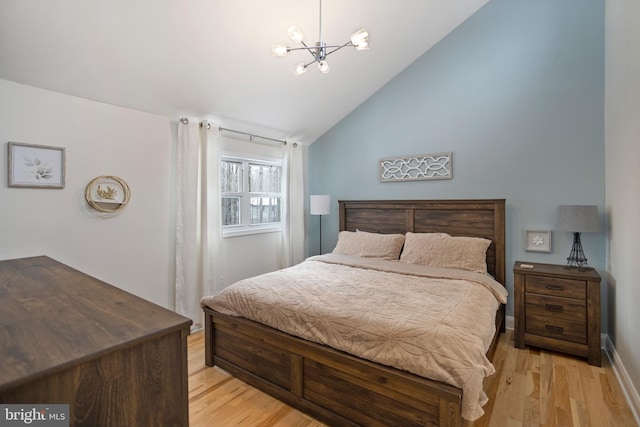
[537,240]
[36,166]
[416,168]
[107,193]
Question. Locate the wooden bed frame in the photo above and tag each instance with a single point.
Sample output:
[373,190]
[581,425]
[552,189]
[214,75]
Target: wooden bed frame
[335,387]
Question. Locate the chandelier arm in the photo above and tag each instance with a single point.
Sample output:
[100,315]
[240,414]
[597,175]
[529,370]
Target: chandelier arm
[340,46]
[290,49]
[337,48]
[315,60]
[307,48]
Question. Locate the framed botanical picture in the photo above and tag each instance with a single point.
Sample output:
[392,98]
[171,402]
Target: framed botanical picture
[36,166]
[537,240]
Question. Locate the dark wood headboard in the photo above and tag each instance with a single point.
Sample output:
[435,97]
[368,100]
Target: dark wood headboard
[473,218]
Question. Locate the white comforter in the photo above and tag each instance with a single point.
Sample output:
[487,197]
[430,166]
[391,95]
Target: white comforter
[436,323]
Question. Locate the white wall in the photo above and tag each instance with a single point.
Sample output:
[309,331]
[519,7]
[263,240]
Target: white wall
[622,130]
[132,249]
[248,256]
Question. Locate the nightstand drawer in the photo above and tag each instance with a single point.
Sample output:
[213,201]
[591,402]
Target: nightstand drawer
[555,286]
[569,309]
[553,327]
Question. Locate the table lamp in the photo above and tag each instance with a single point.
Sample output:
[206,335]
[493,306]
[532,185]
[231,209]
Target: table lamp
[577,219]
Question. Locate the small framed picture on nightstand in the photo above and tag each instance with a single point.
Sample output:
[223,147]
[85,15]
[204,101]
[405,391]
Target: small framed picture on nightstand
[537,240]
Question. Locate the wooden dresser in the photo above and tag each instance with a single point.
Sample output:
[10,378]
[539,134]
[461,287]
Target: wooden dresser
[558,309]
[68,338]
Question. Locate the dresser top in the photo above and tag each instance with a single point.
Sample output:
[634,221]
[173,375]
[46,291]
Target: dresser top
[54,317]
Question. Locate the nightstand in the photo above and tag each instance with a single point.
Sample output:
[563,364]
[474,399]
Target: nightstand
[557,309]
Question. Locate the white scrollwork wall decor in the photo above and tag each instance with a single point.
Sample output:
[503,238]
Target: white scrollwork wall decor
[415,168]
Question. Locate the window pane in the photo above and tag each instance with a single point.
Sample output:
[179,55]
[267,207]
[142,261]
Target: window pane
[230,211]
[231,176]
[265,210]
[264,179]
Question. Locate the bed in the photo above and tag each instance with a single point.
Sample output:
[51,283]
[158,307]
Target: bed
[334,385]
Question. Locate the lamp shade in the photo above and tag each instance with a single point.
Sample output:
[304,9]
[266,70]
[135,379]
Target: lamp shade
[295,34]
[300,69]
[324,66]
[578,219]
[279,49]
[359,37]
[320,205]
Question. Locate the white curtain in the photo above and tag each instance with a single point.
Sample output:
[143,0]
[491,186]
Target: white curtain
[293,204]
[212,210]
[199,257]
[198,219]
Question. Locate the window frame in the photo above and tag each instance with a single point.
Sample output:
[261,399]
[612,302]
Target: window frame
[245,227]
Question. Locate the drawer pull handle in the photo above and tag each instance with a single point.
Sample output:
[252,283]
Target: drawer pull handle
[554,307]
[552,328]
[553,287]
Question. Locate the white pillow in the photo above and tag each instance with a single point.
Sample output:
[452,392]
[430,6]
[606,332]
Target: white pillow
[445,251]
[369,245]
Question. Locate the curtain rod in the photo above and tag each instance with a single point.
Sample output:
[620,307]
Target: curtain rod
[251,136]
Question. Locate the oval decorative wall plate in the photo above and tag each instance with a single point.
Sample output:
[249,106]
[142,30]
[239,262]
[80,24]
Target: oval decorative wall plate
[107,193]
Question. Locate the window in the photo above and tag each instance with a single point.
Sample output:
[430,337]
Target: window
[251,195]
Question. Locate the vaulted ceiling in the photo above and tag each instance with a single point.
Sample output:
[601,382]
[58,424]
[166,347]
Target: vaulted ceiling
[212,58]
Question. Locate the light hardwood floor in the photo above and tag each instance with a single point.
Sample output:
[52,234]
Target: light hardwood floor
[530,388]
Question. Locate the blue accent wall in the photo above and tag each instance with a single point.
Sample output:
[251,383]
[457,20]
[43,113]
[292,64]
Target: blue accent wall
[516,93]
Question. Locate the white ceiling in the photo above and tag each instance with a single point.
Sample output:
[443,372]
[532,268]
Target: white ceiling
[212,58]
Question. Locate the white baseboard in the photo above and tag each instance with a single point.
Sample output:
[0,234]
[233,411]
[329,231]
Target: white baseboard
[630,392]
[508,322]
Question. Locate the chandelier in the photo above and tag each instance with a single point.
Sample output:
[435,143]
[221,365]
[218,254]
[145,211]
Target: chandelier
[319,52]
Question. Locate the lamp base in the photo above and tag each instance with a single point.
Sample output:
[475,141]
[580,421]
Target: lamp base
[320,234]
[576,257]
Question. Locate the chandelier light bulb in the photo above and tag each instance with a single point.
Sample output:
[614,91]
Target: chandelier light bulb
[359,37]
[279,50]
[300,69]
[295,34]
[324,66]
[363,45]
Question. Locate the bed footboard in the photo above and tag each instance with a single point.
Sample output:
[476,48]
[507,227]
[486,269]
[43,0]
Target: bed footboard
[330,385]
